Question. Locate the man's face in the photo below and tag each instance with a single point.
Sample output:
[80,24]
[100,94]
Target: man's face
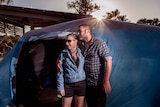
[82,33]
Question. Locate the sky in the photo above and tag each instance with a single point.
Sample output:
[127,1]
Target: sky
[134,9]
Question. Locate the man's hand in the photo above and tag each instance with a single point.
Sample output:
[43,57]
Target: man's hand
[58,66]
[107,87]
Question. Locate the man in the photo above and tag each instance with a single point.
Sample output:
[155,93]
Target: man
[98,65]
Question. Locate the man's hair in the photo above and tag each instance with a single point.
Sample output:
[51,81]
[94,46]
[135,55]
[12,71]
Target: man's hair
[85,26]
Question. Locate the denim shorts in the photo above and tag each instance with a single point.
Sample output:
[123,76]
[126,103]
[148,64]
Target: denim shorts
[77,88]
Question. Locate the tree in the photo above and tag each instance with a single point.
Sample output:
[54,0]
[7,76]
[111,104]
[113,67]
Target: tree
[142,21]
[115,15]
[156,21]
[7,42]
[7,2]
[83,7]
[153,22]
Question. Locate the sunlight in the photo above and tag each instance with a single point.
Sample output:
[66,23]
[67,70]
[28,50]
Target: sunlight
[99,15]
[105,6]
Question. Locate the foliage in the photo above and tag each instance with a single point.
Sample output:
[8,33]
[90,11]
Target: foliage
[6,1]
[8,41]
[115,15]
[153,22]
[83,7]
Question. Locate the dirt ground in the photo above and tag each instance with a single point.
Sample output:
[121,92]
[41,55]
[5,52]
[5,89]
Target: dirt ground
[44,98]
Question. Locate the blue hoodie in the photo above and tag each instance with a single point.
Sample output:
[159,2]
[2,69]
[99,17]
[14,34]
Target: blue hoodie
[71,73]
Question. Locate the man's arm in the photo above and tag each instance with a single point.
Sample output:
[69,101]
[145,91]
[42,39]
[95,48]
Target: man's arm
[58,64]
[107,86]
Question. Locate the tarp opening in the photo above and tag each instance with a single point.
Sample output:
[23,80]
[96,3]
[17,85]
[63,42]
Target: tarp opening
[36,71]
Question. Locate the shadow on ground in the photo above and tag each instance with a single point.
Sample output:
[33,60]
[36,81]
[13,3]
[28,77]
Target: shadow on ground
[46,97]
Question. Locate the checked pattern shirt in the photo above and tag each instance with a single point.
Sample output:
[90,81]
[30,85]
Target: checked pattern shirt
[96,53]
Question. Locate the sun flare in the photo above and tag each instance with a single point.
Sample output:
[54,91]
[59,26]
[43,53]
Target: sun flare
[99,15]
[105,6]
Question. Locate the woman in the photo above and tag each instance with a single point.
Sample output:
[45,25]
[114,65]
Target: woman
[71,80]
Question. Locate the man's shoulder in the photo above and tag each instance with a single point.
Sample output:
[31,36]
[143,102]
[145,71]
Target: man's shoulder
[97,40]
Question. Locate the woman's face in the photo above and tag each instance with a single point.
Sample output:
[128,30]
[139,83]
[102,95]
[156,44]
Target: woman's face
[71,43]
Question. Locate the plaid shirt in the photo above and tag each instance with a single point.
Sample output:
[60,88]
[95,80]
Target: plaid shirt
[95,53]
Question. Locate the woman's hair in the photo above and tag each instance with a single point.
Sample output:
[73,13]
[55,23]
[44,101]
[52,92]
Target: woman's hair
[73,35]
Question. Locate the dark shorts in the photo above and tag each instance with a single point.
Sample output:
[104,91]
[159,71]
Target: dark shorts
[77,88]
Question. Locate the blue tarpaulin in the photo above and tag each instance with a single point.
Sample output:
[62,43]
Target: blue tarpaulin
[135,50]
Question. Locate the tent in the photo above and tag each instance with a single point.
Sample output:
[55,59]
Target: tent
[135,50]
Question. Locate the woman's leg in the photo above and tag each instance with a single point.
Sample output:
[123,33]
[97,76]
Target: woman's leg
[79,101]
[66,101]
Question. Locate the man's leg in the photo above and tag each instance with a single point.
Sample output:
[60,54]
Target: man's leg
[95,96]
[101,97]
[91,96]
[101,101]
